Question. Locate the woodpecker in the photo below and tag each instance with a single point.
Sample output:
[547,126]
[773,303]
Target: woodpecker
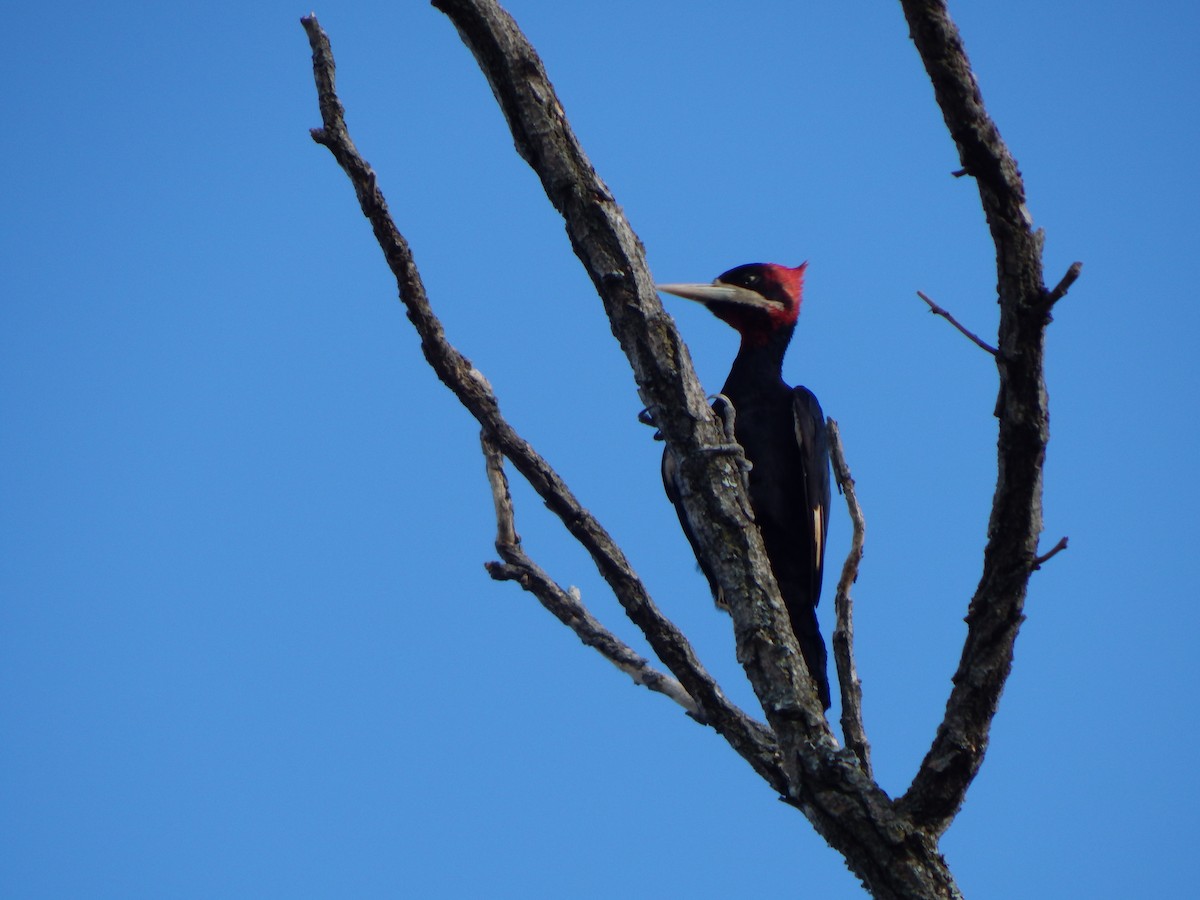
[782,431]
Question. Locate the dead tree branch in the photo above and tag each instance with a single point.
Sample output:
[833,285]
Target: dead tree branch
[745,735]
[808,767]
[615,260]
[996,611]
[945,314]
[845,806]
[892,847]
[1060,289]
[843,633]
[566,605]
[1051,553]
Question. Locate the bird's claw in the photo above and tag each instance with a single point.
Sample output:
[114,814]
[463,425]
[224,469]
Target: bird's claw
[647,418]
[723,407]
[734,450]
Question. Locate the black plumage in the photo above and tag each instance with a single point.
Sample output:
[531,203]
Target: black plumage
[782,431]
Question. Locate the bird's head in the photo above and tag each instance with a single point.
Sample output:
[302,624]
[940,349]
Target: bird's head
[758,299]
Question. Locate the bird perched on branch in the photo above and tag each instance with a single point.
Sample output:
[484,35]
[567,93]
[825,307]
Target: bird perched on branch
[782,431]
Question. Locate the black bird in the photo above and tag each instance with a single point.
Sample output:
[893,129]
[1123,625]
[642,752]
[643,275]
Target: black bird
[782,431]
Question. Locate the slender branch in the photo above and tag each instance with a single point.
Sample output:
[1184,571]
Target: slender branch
[1053,552]
[843,633]
[567,605]
[473,391]
[939,311]
[997,608]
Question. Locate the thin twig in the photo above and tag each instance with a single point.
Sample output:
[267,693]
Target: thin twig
[939,311]
[748,737]
[843,633]
[1060,289]
[1049,555]
[565,605]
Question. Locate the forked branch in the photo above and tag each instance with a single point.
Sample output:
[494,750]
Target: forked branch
[891,847]
[614,258]
[997,609]
[566,605]
[745,735]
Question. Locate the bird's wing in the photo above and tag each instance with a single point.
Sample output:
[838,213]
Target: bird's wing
[813,439]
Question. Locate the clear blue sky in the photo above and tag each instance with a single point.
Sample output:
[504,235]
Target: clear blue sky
[247,645]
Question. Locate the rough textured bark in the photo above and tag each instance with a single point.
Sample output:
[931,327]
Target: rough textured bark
[890,846]
[748,737]
[996,610]
[566,605]
[853,729]
[614,258]
[822,776]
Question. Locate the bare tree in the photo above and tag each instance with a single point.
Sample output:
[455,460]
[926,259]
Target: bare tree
[891,844]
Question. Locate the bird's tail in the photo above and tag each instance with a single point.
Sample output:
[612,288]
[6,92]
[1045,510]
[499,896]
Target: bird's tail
[812,646]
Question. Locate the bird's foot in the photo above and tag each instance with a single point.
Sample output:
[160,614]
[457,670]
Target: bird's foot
[739,458]
[736,451]
[647,418]
[723,407]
